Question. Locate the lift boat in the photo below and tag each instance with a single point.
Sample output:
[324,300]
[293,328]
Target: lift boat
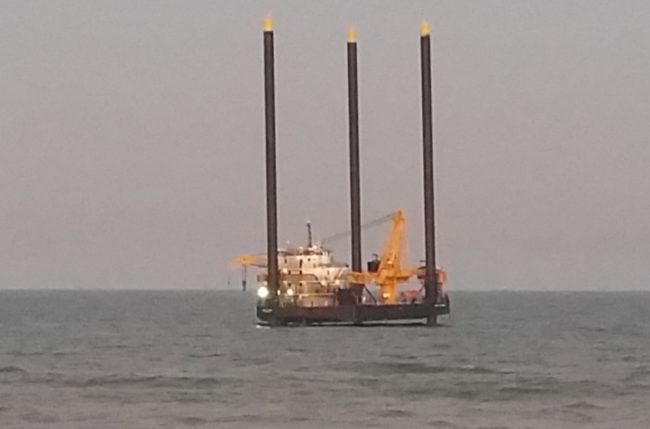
[304,285]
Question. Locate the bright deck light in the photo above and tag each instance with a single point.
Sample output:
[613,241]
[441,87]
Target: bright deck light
[263,292]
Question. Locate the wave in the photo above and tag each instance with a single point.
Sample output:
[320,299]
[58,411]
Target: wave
[144,380]
[20,354]
[395,413]
[422,368]
[204,355]
[583,405]
[442,424]
[524,390]
[497,389]
[118,380]
[639,373]
[12,370]
[122,346]
[192,421]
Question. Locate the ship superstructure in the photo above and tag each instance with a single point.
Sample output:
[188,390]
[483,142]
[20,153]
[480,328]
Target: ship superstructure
[309,277]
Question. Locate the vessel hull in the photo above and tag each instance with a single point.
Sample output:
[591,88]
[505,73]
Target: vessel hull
[351,314]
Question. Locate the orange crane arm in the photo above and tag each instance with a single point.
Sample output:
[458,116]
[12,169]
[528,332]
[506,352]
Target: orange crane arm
[391,270]
[244,261]
[249,259]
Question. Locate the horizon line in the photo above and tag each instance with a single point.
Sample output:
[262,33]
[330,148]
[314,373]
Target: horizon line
[252,290]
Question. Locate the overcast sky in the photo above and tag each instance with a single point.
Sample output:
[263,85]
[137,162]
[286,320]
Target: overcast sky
[132,135]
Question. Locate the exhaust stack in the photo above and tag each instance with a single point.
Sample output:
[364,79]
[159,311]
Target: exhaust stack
[427,152]
[355,188]
[271,187]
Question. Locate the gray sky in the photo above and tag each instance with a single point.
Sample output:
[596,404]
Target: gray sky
[131,138]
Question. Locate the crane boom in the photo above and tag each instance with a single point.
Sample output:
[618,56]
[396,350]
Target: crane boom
[379,221]
[249,259]
[389,269]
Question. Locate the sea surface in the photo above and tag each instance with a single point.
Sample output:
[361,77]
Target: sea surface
[127,360]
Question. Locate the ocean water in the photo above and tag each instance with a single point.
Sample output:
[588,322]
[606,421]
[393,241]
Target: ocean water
[197,359]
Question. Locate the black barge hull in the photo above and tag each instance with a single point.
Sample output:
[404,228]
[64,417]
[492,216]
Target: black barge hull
[351,314]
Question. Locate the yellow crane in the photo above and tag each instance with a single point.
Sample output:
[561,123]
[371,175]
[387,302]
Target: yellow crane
[246,260]
[390,268]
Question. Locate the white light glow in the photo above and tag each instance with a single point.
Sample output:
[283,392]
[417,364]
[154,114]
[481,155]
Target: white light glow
[263,292]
